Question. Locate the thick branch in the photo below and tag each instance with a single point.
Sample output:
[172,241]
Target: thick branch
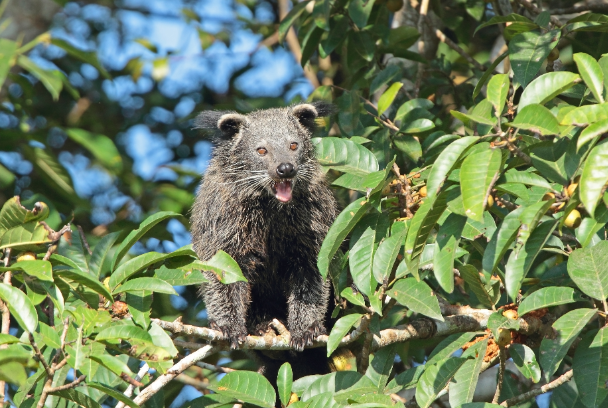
[545,388]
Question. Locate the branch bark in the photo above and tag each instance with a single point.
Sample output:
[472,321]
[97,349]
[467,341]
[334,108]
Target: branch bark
[545,388]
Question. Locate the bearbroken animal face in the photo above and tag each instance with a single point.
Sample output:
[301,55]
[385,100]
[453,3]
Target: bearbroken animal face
[267,150]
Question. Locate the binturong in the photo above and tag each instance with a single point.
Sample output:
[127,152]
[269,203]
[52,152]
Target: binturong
[264,200]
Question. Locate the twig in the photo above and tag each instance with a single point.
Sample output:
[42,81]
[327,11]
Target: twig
[213,367]
[403,191]
[454,46]
[173,372]
[126,378]
[501,373]
[532,8]
[84,240]
[68,386]
[424,8]
[294,45]
[129,391]
[533,393]
[47,367]
[198,384]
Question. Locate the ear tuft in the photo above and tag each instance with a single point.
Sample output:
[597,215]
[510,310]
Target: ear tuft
[229,123]
[306,113]
[324,108]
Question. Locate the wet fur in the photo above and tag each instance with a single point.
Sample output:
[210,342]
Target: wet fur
[275,244]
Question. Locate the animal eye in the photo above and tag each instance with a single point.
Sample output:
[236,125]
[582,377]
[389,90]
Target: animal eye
[262,151]
[293,146]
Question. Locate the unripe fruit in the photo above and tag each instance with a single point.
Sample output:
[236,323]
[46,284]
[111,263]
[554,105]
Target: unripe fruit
[553,55]
[504,337]
[394,5]
[573,220]
[422,191]
[26,256]
[548,196]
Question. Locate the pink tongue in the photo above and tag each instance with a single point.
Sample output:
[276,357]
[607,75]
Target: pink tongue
[283,191]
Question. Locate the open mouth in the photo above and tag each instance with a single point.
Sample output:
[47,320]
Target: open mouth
[282,190]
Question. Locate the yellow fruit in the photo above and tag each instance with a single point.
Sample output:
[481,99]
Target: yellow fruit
[511,314]
[422,191]
[548,196]
[573,220]
[26,256]
[394,5]
[293,398]
[490,202]
[571,189]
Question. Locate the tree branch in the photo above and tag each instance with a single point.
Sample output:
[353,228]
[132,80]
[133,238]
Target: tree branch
[129,391]
[532,8]
[595,8]
[545,388]
[173,372]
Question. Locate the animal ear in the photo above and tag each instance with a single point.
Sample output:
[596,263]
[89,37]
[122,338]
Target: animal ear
[306,113]
[228,122]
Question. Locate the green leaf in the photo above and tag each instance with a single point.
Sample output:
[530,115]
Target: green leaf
[387,98]
[409,145]
[480,405]
[39,269]
[359,12]
[180,277]
[8,339]
[462,388]
[524,177]
[340,329]
[588,268]
[417,126]
[151,284]
[20,306]
[471,276]
[79,398]
[406,379]
[590,366]
[363,244]
[85,279]
[594,177]
[546,297]
[284,383]
[345,155]
[411,105]
[525,361]
[448,346]
[117,395]
[385,256]
[498,90]
[527,248]
[100,146]
[343,224]
[162,339]
[50,79]
[528,51]
[477,174]
[310,44]
[247,386]
[536,118]
[466,117]
[135,235]
[445,162]
[112,363]
[501,240]
[591,132]
[511,18]
[447,241]
[416,296]
[380,367]
[101,252]
[585,115]
[567,327]
[383,77]
[592,74]
[142,345]
[8,49]
[546,87]
[484,78]
[498,322]
[226,268]
[435,379]
[290,18]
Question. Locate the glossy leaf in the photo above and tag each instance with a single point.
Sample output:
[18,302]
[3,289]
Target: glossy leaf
[525,361]
[85,279]
[527,52]
[345,155]
[498,90]
[416,296]
[101,251]
[50,79]
[546,87]
[590,366]
[388,97]
[100,146]
[284,383]
[585,115]
[471,276]
[536,118]
[381,366]
[363,244]
[448,239]
[340,329]
[435,378]
[39,269]
[592,74]
[511,18]
[117,395]
[594,177]
[486,75]
[417,126]
[343,224]
[567,327]
[20,307]
[290,18]
[546,297]
[151,284]
[462,388]
[385,256]
[477,174]
[226,268]
[446,162]
[591,132]
[588,268]
[501,240]
[79,398]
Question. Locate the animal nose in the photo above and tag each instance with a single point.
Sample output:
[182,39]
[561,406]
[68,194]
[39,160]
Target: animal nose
[286,170]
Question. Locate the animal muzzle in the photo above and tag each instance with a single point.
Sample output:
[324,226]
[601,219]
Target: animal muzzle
[283,190]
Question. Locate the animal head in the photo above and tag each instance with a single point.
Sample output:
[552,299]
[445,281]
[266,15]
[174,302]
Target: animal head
[269,149]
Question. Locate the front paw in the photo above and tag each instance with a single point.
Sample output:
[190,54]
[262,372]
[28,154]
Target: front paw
[301,339]
[234,335]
